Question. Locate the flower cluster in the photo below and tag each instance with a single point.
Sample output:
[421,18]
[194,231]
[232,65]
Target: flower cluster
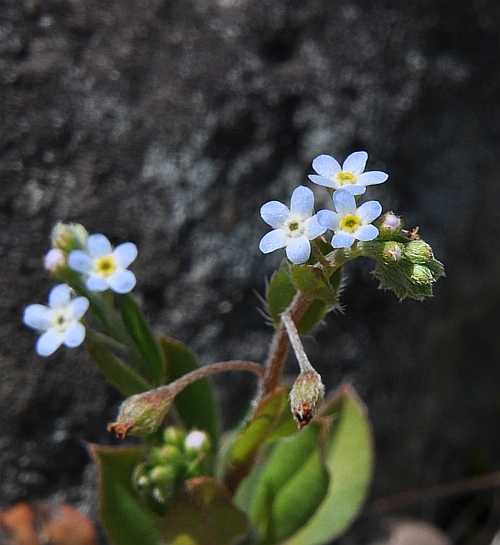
[295,227]
[97,265]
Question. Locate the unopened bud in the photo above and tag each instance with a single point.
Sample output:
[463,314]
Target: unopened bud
[392,252]
[54,259]
[421,275]
[174,436]
[390,224]
[418,251]
[142,414]
[69,236]
[196,443]
[305,396]
[167,454]
[140,480]
[163,475]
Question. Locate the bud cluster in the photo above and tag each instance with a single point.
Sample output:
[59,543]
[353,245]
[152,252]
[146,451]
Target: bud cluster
[409,268]
[65,238]
[178,457]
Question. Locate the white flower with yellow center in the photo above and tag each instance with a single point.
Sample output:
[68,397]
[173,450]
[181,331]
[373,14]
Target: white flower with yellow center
[59,322]
[351,176]
[349,222]
[104,267]
[293,228]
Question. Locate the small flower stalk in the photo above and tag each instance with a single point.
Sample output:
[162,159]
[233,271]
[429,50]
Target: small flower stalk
[308,390]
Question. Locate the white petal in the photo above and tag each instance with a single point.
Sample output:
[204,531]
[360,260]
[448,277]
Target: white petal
[96,283]
[122,281]
[59,296]
[37,317]
[274,213]
[98,245]
[328,219]
[369,211]
[298,250]
[342,240]
[274,240]
[366,232]
[125,254]
[80,261]
[302,202]
[355,162]
[74,336]
[313,227]
[49,342]
[79,307]
[321,180]
[326,165]
[373,177]
[354,189]
[344,202]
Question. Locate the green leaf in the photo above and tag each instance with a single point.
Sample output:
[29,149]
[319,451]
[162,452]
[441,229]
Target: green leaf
[144,340]
[290,487]
[349,459]
[312,316]
[116,372]
[126,520]
[312,282]
[271,417]
[203,515]
[279,293]
[196,404]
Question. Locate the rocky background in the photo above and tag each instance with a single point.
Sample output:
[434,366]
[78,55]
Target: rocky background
[168,123]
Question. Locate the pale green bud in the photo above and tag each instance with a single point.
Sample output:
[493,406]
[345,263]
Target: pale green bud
[167,454]
[422,275]
[140,480]
[174,436]
[306,394]
[69,236]
[392,252]
[419,252]
[163,475]
[142,414]
[197,443]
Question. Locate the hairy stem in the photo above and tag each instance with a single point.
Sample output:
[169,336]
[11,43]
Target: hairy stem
[278,350]
[293,335]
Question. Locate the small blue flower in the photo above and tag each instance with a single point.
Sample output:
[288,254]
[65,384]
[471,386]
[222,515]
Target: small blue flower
[349,222]
[350,176]
[59,322]
[293,228]
[105,267]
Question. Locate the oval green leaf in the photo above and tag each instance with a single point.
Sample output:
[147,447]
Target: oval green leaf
[349,459]
[126,520]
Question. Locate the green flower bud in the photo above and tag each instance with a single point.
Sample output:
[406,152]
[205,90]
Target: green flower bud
[421,275]
[419,252]
[197,443]
[174,436]
[140,480]
[142,414]
[69,236]
[392,252]
[166,454]
[163,475]
[305,396]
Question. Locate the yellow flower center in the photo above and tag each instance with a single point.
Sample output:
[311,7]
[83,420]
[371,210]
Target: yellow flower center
[346,178]
[350,223]
[105,266]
